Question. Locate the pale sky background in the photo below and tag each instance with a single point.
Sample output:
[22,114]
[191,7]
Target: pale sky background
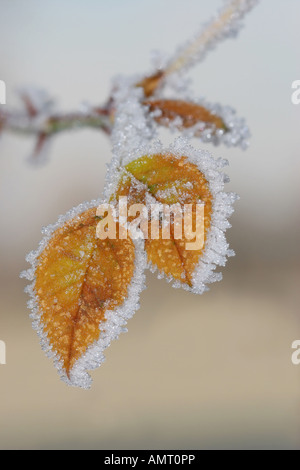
[163,385]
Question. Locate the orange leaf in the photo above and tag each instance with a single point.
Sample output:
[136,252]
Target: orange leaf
[189,113]
[150,84]
[79,279]
[169,180]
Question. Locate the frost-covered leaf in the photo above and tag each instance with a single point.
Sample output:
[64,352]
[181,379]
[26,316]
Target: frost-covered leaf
[174,178]
[83,292]
[168,180]
[210,122]
[184,115]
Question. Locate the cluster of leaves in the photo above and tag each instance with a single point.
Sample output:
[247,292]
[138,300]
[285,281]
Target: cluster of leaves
[84,289]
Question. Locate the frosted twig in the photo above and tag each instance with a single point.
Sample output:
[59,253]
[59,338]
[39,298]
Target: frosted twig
[223,26]
[40,120]
[53,123]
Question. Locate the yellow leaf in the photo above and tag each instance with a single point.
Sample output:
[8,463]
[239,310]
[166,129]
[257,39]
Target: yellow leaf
[79,278]
[169,180]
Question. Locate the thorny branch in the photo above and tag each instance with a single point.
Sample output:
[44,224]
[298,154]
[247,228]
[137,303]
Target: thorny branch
[23,123]
[39,119]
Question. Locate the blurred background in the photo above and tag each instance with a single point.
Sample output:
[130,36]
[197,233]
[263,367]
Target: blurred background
[192,372]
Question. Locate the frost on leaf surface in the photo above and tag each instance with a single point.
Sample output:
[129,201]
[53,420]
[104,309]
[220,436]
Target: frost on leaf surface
[184,114]
[182,176]
[197,118]
[84,291]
